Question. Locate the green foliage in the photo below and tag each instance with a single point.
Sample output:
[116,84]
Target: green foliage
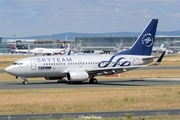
[126,99]
[129,115]
[142,118]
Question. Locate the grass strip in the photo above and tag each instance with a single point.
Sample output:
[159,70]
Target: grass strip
[89,99]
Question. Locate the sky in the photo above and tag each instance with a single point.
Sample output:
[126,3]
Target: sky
[23,18]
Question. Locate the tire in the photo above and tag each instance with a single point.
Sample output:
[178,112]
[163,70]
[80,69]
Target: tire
[93,81]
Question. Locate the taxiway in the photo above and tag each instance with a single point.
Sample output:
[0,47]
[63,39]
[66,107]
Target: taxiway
[101,83]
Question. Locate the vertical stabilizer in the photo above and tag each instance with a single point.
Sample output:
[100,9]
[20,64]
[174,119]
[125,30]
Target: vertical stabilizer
[62,45]
[144,43]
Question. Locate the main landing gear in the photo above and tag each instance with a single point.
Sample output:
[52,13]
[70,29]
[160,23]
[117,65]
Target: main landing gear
[92,80]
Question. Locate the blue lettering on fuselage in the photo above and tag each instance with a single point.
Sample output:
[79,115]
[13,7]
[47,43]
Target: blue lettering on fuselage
[119,62]
[44,67]
[39,60]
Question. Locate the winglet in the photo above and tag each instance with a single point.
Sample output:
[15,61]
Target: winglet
[160,58]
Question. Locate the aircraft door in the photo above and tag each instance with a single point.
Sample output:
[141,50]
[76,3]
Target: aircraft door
[33,64]
[132,61]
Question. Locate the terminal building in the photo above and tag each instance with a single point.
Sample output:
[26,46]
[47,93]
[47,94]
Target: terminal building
[114,44]
[90,44]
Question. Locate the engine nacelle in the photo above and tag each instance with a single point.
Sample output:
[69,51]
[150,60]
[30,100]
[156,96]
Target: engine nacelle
[53,78]
[78,75]
[48,54]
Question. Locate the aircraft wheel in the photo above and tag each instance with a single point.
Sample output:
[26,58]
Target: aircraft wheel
[25,82]
[93,81]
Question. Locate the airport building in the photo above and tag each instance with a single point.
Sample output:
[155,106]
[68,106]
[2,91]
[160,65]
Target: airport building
[114,44]
[90,44]
[22,44]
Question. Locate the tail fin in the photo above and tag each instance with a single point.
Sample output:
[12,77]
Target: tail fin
[12,47]
[68,50]
[162,46]
[144,43]
[62,45]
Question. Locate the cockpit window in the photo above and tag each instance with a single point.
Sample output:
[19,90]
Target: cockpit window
[17,63]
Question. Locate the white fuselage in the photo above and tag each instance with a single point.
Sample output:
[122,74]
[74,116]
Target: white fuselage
[47,51]
[58,66]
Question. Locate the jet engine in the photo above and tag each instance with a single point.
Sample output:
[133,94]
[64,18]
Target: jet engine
[78,75]
[53,78]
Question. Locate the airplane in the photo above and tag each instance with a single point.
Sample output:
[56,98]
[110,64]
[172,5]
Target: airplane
[161,49]
[49,51]
[20,50]
[86,67]
[157,49]
[44,51]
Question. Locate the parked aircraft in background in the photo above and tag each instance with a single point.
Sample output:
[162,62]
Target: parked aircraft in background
[49,51]
[45,51]
[161,49]
[83,67]
[16,50]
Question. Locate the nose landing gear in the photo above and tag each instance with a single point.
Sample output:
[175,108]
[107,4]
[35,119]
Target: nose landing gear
[25,82]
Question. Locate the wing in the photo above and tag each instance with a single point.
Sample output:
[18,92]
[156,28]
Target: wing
[111,70]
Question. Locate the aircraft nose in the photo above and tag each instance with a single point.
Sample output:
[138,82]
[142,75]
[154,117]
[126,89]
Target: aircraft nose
[9,69]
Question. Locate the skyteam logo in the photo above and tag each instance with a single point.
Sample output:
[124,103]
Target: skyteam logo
[147,40]
[121,61]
